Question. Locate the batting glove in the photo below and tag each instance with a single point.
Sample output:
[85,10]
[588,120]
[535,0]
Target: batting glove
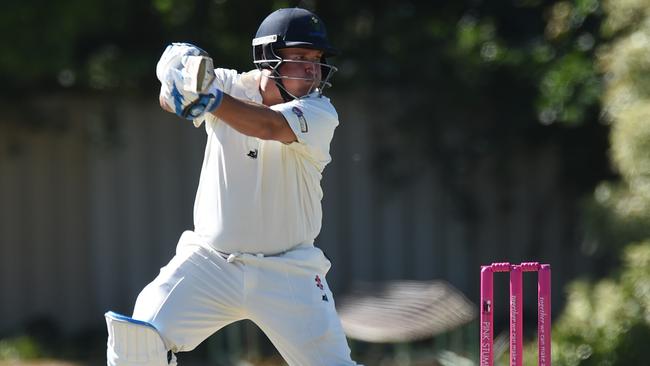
[175,56]
[192,105]
[186,74]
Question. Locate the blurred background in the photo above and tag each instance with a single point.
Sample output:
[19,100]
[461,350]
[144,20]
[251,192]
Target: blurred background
[470,132]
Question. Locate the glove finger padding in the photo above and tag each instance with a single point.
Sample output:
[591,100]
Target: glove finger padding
[186,73]
[196,64]
[198,73]
[173,55]
[188,103]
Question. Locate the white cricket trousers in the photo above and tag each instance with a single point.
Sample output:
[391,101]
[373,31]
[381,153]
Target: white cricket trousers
[200,292]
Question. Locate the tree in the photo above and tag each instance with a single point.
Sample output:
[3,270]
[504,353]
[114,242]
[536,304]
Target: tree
[608,322]
[475,78]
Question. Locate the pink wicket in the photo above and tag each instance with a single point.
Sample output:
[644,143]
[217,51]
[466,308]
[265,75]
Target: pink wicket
[516,312]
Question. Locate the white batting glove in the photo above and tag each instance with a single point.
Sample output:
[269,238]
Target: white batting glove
[188,103]
[175,56]
[186,74]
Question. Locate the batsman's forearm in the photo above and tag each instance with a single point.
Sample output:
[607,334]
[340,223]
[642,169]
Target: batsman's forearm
[254,119]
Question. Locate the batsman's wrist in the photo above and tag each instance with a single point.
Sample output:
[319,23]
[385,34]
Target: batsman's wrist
[205,103]
[218,98]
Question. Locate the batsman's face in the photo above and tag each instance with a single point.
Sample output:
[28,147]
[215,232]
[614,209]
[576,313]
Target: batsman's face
[301,69]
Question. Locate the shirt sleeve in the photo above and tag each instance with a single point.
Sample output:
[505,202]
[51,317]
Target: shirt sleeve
[225,79]
[313,121]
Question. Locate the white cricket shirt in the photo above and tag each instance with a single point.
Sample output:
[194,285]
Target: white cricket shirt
[260,196]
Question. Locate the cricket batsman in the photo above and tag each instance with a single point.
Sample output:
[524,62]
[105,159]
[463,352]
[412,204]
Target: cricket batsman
[258,204]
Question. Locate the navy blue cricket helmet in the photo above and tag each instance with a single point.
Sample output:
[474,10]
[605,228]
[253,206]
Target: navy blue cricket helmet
[292,27]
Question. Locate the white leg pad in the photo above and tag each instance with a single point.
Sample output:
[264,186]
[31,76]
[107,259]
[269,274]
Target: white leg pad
[133,343]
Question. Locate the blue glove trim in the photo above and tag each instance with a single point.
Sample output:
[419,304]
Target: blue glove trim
[218,98]
[178,100]
[124,318]
[203,104]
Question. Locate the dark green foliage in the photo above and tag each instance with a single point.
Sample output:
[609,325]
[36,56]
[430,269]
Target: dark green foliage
[474,79]
[461,50]
[607,323]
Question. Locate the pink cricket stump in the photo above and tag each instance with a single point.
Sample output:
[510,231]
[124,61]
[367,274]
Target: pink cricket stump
[486,353]
[544,314]
[516,312]
[516,328]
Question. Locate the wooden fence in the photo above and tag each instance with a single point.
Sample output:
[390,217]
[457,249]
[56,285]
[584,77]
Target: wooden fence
[93,200]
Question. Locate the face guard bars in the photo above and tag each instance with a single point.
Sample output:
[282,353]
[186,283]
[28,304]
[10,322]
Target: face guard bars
[264,57]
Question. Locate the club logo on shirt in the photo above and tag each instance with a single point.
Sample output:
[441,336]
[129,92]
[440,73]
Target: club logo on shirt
[252,154]
[301,118]
[319,284]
